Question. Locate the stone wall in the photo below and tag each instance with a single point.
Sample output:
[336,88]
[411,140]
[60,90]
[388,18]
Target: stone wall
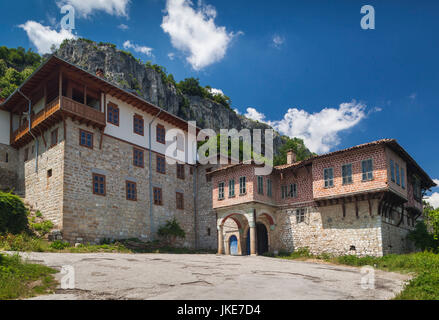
[395,239]
[43,189]
[326,231]
[8,168]
[91,218]
[206,216]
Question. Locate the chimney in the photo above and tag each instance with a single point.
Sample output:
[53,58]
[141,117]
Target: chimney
[100,73]
[291,157]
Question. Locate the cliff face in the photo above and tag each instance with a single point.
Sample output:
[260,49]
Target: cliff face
[124,70]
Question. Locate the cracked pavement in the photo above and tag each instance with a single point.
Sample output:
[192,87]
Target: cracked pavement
[106,276]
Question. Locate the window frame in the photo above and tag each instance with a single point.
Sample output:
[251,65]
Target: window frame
[142,152]
[158,136]
[293,190]
[232,192]
[162,158]
[127,187]
[92,139]
[392,170]
[402,178]
[140,125]
[349,178]
[242,186]
[221,190]
[181,171]
[158,191]
[367,172]
[329,183]
[300,216]
[104,183]
[261,185]
[398,174]
[115,109]
[179,200]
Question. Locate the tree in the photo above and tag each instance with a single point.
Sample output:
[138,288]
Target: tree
[296,144]
[431,217]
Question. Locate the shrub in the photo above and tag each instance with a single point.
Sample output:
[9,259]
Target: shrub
[171,231]
[43,227]
[59,245]
[13,214]
[21,242]
[422,238]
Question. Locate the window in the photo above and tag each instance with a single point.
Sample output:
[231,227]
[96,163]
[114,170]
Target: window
[300,215]
[161,134]
[113,114]
[99,187]
[49,173]
[293,190]
[346,172]
[269,188]
[260,185]
[138,158]
[131,188]
[392,170]
[180,171]
[161,164]
[221,191]
[26,154]
[208,232]
[138,125]
[367,169]
[231,188]
[54,138]
[158,197]
[191,170]
[284,192]
[398,178]
[7,157]
[180,201]
[242,186]
[402,178]
[86,139]
[329,177]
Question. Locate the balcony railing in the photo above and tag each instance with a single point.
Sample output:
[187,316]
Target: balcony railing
[53,112]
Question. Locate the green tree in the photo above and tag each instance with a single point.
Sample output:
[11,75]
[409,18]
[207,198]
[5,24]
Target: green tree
[296,144]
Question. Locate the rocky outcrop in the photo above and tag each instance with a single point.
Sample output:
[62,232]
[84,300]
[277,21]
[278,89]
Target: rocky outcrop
[123,69]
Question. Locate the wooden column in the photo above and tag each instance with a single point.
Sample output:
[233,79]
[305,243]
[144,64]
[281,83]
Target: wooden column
[253,236]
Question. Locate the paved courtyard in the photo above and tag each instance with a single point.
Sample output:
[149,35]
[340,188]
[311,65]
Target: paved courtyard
[187,277]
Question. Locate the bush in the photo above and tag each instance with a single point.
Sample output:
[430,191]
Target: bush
[59,245]
[171,231]
[21,242]
[13,214]
[43,227]
[422,238]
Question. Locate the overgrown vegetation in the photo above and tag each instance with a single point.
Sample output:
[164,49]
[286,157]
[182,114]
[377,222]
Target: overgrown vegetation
[295,144]
[424,265]
[171,232]
[15,66]
[19,279]
[192,87]
[13,214]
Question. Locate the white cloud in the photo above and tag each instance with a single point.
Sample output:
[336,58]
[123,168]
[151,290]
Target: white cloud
[320,131]
[86,7]
[216,91]
[236,111]
[171,56]
[436,181]
[433,200]
[413,96]
[278,41]
[141,49]
[253,114]
[44,37]
[193,31]
[123,27]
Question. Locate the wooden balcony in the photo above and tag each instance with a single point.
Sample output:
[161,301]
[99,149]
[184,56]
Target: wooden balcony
[54,112]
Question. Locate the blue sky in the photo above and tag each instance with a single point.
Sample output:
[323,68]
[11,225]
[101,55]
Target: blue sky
[306,67]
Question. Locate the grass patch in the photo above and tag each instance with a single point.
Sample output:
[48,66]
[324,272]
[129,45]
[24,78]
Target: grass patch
[19,279]
[26,243]
[425,265]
